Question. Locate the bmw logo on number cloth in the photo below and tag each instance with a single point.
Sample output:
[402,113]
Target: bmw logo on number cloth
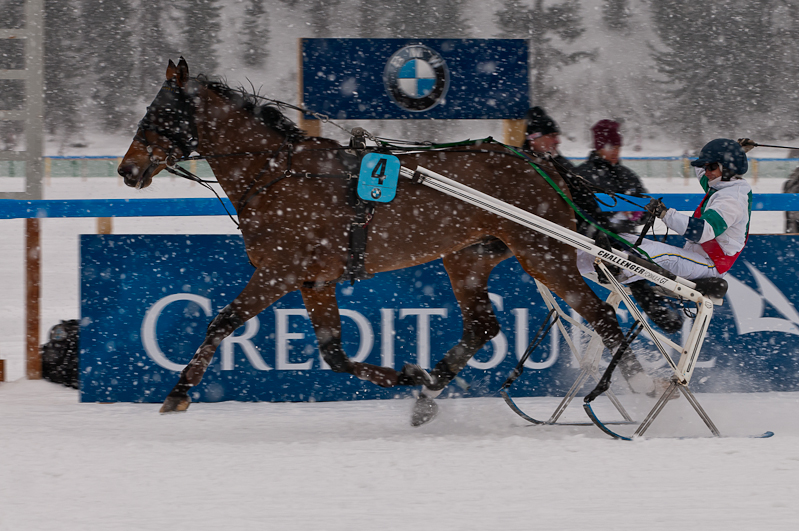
[416,77]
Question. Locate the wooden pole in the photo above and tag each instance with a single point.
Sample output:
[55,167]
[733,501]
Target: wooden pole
[513,132]
[311,127]
[33,283]
[105,225]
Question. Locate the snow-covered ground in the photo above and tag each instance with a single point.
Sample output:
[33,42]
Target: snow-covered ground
[359,465]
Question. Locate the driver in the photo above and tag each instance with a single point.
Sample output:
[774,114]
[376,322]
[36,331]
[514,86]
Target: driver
[715,234]
[717,231]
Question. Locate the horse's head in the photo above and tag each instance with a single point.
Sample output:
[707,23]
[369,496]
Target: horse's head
[167,132]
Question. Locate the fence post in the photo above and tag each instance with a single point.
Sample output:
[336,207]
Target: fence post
[33,282]
[513,132]
[311,127]
[105,225]
[754,171]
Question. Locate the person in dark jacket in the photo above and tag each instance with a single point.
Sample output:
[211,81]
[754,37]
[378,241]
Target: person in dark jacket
[791,186]
[604,170]
[543,136]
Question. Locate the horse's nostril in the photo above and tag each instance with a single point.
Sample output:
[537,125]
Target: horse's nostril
[127,170]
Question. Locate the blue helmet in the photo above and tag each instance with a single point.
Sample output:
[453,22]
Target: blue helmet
[728,153]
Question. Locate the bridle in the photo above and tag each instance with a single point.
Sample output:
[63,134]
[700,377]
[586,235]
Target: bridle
[174,121]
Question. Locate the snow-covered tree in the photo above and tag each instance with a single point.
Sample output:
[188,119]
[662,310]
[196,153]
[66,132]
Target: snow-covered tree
[714,63]
[255,34]
[107,32]
[201,26]
[539,24]
[63,67]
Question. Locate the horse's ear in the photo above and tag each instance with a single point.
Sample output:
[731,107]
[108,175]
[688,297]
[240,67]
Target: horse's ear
[171,71]
[183,72]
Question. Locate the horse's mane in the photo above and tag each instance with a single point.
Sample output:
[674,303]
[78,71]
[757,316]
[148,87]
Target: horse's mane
[269,114]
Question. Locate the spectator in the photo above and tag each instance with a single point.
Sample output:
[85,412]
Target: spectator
[791,186]
[543,136]
[604,170]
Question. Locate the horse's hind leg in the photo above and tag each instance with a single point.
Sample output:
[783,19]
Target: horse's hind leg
[553,263]
[468,271]
[326,320]
[264,288]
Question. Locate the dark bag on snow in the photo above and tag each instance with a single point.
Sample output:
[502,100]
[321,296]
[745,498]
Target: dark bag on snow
[60,354]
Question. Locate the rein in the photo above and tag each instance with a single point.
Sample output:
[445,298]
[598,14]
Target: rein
[180,128]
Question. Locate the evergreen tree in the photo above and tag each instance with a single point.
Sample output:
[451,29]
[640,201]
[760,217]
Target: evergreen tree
[153,47]
[323,13]
[63,67]
[785,65]
[440,20]
[616,15]
[201,25]
[370,19]
[12,57]
[108,43]
[540,24]
[713,62]
[255,30]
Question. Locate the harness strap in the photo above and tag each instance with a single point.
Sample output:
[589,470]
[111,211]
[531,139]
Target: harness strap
[574,207]
[359,233]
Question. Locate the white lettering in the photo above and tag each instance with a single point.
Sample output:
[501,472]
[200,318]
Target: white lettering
[423,331]
[522,341]
[148,327]
[244,341]
[387,334]
[282,338]
[365,332]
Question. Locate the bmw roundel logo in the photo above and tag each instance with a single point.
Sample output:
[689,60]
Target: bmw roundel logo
[416,78]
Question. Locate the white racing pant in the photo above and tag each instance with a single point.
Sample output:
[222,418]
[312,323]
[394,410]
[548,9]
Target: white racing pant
[689,263]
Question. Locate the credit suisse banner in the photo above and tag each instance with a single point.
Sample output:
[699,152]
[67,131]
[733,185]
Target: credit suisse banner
[146,301]
[421,78]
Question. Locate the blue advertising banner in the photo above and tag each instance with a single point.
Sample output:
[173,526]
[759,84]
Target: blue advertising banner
[146,302]
[416,78]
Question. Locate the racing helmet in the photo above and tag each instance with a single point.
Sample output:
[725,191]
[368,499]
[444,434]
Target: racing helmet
[728,153]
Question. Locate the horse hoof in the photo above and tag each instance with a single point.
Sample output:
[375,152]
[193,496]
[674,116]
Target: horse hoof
[413,374]
[424,410]
[175,404]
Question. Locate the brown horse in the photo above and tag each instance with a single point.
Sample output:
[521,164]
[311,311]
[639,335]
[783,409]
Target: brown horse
[289,191]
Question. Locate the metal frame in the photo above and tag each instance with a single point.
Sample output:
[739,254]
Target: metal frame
[33,112]
[689,353]
[32,115]
[589,361]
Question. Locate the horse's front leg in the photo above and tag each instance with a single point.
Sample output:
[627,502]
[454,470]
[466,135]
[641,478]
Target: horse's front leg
[326,320]
[264,288]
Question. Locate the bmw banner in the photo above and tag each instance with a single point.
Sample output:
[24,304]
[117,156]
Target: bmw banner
[425,78]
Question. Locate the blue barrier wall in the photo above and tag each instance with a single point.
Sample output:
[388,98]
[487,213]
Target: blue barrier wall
[102,208]
[147,300]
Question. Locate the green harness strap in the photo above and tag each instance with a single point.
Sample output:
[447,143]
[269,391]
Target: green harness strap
[547,178]
[574,207]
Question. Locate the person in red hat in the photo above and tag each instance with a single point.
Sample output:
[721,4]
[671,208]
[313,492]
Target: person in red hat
[604,170]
